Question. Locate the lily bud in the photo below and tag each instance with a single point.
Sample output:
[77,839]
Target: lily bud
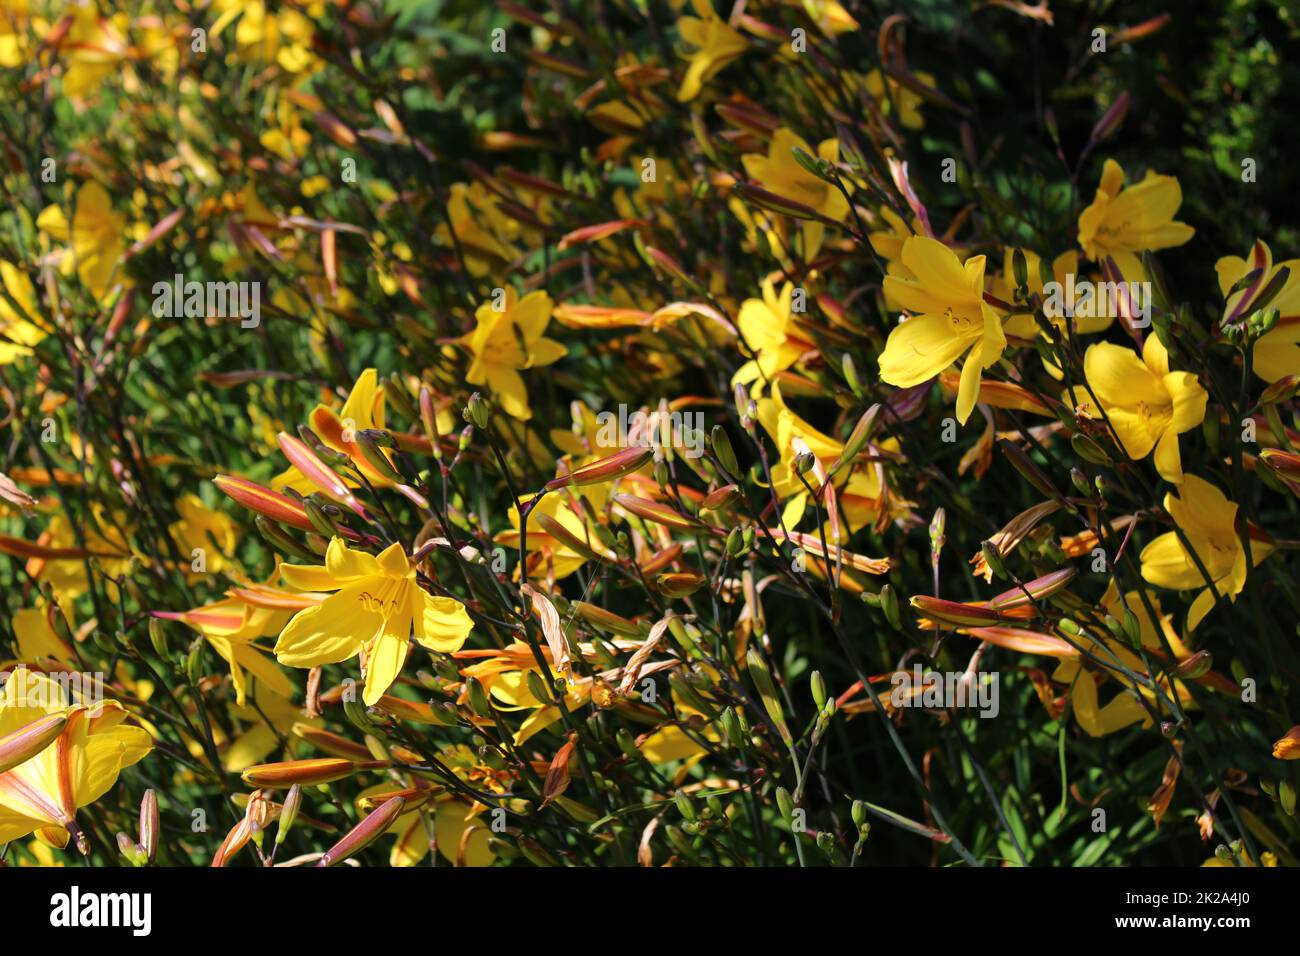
[280,776]
[364,833]
[606,469]
[720,498]
[954,612]
[149,825]
[657,513]
[723,451]
[289,812]
[371,442]
[818,687]
[27,741]
[1198,665]
[318,473]
[265,502]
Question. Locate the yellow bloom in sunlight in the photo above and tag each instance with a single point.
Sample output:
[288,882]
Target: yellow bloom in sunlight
[1277,353]
[1287,747]
[1122,222]
[205,537]
[1124,709]
[951,320]
[771,328]
[831,18]
[363,410]
[1147,405]
[452,815]
[548,556]
[37,640]
[890,93]
[67,576]
[284,36]
[95,48]
[482,231]
[17,36]
[504,675]
[44,794]
[779,172]
[97,236]
[18,333]
[233,625]
[1090,312]
[372,614]
[507,338]
[1208,519]
[859,489]
[717,45]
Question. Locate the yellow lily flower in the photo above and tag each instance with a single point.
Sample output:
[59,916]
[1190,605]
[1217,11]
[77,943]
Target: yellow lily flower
[831,18]
[363,410]
[504,675]
[1124,709]
[96,50]
[233,625]
[484,233]
[372,614]
[717,45]
[772,330]
[547,555]
[858,490]
[1122,222]
[17,332]
[505,341]
[37,639]
[283,36]
[452,814]
[44,794]
[779,172]
[1277,353]
[1208,519]
[888,93]
[201,528]
[952,319]
[97,236]
[67,576]
[1148,405]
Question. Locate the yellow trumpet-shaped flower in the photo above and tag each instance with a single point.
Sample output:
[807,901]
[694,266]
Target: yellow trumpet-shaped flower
[363,410]
[17,331]
[204,536]
[1277,353]
[233,625]
[771,328]
[1147,405]
[1208,519]
[779,172]
[951,320]
[859,488]
[890,93]
[1122,222]
[716,43]
[376,605]
[831,18]
[1124,708]
[509,337]
[97,236]
[43,794]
